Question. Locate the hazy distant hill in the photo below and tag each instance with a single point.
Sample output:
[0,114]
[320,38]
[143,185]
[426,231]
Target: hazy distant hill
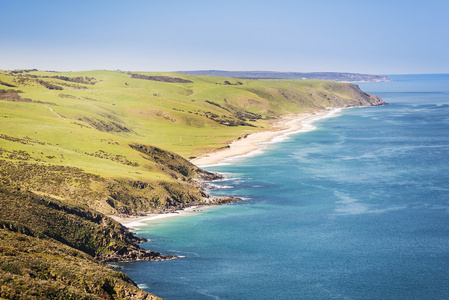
[333,76]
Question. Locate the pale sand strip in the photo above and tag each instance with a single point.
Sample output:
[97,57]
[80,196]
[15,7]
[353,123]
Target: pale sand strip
[134,222]
[255,142]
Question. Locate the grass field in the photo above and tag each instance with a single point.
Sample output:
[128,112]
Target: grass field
[75,147]
[88,120]
[188,118]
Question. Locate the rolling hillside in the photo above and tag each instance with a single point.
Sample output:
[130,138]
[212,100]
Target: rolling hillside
[76,147]
[112,125]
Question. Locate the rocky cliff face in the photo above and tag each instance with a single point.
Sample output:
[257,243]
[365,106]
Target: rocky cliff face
[354,96]
[49,249]
[36,268]
[31,223]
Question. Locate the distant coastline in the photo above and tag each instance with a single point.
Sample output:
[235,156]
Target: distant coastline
[332,76]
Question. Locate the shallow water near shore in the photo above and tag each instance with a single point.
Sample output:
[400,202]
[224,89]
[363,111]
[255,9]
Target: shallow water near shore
[356,209]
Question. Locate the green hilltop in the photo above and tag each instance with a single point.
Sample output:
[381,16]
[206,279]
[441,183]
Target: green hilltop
[112,125]
[78,146]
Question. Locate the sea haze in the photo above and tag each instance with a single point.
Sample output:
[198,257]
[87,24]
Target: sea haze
[356,209]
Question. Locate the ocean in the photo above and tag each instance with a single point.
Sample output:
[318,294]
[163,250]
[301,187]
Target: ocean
[357,208]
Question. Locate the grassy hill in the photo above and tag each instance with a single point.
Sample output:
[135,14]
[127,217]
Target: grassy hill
[75,147]
[98,122]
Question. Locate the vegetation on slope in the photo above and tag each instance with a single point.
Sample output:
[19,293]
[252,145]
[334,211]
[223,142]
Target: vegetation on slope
[81,142]
[75,147]
[52,250]
[35,268]
[83,229]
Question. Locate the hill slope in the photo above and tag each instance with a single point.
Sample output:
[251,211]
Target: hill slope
[75,147]
[34,268]
[92,138]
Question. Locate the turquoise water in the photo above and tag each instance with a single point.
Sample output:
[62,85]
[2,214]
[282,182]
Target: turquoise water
[356,209]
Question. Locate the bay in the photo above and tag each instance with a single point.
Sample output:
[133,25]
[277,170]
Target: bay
[356,209]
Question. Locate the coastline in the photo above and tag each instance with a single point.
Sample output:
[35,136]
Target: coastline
[134,222]
[252,144]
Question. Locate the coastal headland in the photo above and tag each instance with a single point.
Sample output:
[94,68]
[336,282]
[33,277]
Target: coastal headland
[78,147]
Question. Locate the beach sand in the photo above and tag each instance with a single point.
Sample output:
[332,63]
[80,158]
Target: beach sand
[255,142]
[134,222]
[250,145]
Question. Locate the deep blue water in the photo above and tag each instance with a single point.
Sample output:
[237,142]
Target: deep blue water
[356,209]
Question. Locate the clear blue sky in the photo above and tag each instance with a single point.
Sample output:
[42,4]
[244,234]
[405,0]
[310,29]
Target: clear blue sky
[376,36]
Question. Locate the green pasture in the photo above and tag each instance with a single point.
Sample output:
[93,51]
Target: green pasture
[78,119]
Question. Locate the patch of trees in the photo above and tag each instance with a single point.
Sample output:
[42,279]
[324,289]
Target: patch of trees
[226,82]
[166,117]
[160,78]
[14,95]
[66,96]
[49,85]
[22,71]
[217,105]
[242,115]
[225,120]
[229,121]
[117,158]
[23,81]
[78,79]
[25,78]
[6,84]
[16,155]
[105,126]
[26,140]
[91,99]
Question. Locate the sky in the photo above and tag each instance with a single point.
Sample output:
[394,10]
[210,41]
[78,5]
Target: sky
[369,36]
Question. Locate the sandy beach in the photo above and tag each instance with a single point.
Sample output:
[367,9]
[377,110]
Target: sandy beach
[252,144]
[255,142]
[134,222]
